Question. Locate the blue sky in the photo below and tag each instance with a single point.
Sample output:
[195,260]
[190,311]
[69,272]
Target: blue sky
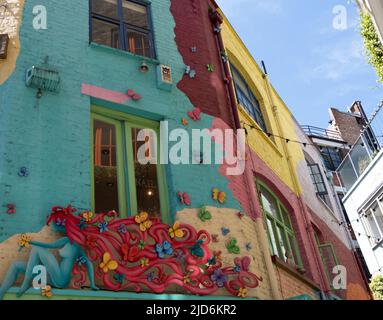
[312,65]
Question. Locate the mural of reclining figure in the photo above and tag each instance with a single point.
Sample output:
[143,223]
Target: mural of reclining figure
[59,273]
[134,254]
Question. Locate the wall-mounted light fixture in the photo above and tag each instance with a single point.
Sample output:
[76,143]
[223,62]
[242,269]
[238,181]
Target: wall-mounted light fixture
[144,68]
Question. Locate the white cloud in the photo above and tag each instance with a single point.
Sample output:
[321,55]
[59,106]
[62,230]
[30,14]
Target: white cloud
[338,61]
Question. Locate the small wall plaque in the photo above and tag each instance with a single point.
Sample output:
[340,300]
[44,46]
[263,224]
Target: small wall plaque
[164,77]
[4,41]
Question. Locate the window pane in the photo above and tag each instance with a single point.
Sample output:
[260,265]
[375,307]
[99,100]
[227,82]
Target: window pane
[282,243]
[135,14]
[269,204]
[106,8]
[105,33]
[138,43]
[286,219]
[148,195]
[294,249]
[378,216]
[372,224]
[273,241]
[105,167]
[247,99]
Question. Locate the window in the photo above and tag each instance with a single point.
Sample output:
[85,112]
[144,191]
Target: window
[120,182]
[122,24]
[282,238]
[247,99]
[328,255]
[317,178]
[372,219]
[331,158]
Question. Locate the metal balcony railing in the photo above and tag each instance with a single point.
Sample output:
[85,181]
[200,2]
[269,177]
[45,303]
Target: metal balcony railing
[322,133]
[363,152]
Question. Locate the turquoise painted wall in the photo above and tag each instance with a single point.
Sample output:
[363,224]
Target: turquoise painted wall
[53,139]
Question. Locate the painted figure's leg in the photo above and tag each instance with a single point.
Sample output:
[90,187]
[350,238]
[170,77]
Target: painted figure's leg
[48,260]
[13,273]
[33,261]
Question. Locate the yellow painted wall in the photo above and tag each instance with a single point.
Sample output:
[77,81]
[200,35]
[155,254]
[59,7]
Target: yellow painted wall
[10,24]
[270,150]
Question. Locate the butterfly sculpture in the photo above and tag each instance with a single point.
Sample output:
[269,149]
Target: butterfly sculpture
[217,257]
[189,71]
[47,291]
[176,231]
[225,231]
[23,172]
[143,220]
[232,246]
[11,208]
[184,198]
[196,250]
[119,277]
[219,195]
[187,279]
[210,67]
[24,241]
[60,222]
[82,224]
[141,245]
[180,255]
[129,253]
[242,264]
[103,227]
[144,262]
[195,114]
[214,238]
[164,249]
[151,276]
[204,215]
[242,293]
[122,229]
[107,263]
[133,95]
[87,216]
[81,261]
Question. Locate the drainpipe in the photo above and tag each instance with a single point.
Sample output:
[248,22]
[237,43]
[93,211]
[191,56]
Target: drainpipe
[217,21]
[318,260]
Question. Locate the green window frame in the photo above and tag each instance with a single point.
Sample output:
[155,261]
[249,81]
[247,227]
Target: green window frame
[126,173]
[328,256]
[281,234]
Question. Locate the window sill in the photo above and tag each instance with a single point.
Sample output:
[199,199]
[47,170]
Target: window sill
[259,129]
[294,271]
[123,53]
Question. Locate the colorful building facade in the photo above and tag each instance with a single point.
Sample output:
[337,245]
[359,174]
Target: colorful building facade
[74,95]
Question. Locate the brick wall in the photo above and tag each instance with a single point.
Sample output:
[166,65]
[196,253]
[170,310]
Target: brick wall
[347,124]
[194,29]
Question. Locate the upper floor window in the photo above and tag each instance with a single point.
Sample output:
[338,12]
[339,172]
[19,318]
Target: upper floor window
[331,158]
[282,240]
[372,219]
[122,24]
[247,99]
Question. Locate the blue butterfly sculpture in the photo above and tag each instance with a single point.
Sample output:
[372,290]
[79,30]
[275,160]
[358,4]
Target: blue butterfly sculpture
[164,249]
